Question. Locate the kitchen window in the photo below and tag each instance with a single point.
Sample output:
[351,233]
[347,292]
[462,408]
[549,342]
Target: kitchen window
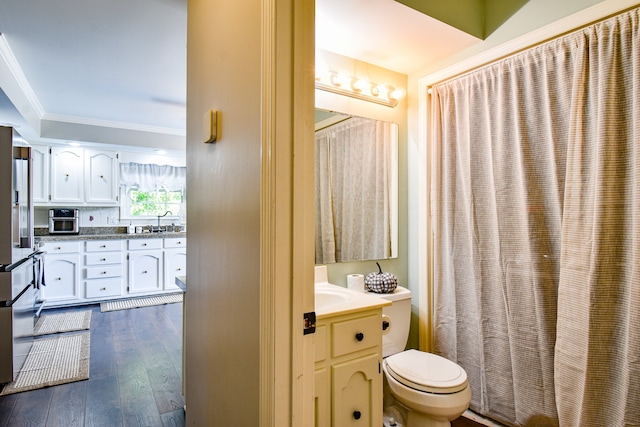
[149,190]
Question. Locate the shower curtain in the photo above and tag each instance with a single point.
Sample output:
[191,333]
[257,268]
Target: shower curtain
[536,218]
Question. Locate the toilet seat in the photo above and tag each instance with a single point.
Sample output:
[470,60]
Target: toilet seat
[426,372]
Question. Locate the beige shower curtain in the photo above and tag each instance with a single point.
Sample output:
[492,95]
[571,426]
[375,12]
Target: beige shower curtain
[536,229]
[353,167]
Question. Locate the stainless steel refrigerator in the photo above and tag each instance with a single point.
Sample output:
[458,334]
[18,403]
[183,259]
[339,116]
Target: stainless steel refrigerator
[20,263]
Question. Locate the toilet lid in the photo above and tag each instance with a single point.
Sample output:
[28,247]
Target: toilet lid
[426,372]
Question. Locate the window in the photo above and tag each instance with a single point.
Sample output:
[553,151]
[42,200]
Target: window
[148,190]
[153,203]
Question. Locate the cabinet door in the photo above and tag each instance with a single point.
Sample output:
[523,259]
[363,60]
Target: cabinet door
[61,279]
[175,264]
[321,398]
[40,155]
[357,392]
[145,271]
[67,175]
[101,176]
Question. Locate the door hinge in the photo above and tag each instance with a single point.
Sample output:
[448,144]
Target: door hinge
[309,323]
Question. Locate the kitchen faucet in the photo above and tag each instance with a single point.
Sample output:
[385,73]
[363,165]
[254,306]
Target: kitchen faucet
[160,216]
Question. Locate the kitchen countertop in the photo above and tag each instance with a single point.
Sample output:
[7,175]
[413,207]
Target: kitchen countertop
[108,236]
[181,281]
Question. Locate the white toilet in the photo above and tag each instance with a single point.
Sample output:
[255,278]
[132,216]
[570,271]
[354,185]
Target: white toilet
[432,389]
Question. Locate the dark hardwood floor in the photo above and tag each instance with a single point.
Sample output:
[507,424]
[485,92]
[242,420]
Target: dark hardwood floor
[134,378]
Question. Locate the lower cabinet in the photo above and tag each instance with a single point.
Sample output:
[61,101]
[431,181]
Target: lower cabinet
[145,265]
[62,273]
[83,271]
[348,373]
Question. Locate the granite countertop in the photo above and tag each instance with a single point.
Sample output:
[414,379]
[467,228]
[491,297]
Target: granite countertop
[103,233]
[181,281]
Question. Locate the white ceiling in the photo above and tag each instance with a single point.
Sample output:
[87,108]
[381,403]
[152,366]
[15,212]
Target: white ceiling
[114,71]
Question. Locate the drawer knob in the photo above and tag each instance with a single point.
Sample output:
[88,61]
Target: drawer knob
[103,259]
[359,337]
[357,415]
[104,272]
[103,289]
[58,248]
[144,272]
[58,278]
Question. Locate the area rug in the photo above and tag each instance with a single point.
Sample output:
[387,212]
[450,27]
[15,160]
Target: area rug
[140,302]
[53,361]
[63,322]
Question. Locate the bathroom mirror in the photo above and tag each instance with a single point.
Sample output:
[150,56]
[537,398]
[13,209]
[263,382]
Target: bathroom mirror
[356,188]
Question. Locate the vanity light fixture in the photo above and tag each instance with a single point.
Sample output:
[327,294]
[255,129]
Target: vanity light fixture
[359,89]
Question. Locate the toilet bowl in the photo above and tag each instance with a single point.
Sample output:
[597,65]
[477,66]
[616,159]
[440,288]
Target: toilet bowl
[432,390]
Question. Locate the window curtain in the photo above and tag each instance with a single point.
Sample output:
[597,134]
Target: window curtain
[353,160]
[536,215]
[152,177]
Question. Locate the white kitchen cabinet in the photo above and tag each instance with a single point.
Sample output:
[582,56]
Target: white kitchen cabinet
[104,272]
[175,264]
[72,176]
[67,175]
[61,275]
[40,156]
[101,177]
[348,374]
[145,266]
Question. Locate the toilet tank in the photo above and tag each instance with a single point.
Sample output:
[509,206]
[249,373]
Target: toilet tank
[395,340]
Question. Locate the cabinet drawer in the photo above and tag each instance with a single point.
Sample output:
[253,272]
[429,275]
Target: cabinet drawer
[104,258]
[99,288]
[355,335]
[178,242]
[103,245]
[61,247]
[139,244]
[104,271]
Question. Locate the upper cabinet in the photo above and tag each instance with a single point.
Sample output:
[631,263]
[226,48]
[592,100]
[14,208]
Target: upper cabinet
[100,177]
[74,176]
[67,177]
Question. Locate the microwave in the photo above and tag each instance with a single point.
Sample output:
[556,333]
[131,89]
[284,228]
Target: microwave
[64,221]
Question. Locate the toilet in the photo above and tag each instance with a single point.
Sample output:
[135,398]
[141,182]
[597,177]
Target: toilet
[431,390]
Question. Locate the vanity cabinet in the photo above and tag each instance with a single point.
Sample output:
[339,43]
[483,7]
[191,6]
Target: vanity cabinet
[104,273]
[73,176]
[61,275]
[348,371]
[145,265]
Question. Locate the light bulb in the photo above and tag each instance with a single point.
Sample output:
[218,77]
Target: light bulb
[396,94]
[359,85]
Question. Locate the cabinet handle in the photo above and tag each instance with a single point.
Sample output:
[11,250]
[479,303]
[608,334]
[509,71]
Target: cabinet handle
[104,272]
[144,244]
[103,289]
[357,415]
[178,269]
[101,176]
[144,272]
[66,174]
[359,337]
[103,259]
[103,246]
[58,278]
[58,248]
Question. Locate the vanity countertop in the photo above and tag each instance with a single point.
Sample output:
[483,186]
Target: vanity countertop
[333,300]
[181,281]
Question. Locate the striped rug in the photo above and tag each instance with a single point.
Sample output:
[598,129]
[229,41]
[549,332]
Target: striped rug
[53,361]
[63,322]
[140,302]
